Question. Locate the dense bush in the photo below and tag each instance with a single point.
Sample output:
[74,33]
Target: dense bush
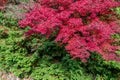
[42,59]
[82,26]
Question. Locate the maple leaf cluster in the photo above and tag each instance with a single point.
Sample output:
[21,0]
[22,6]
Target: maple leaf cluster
[84,26]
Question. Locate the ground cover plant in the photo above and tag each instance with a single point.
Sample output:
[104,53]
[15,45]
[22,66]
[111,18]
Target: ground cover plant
[15,9]
[41,58]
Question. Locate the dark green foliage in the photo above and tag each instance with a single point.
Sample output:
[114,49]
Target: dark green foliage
[42,59]
[105,69]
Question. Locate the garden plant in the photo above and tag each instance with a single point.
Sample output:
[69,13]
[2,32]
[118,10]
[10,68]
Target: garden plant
[62,40]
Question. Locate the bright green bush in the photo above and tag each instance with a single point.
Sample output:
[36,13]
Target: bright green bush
[42,59]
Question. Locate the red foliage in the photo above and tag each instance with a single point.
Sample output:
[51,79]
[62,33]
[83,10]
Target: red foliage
[85,26]
[2,3]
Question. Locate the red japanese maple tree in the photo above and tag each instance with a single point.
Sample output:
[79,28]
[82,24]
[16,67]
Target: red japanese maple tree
[85,26]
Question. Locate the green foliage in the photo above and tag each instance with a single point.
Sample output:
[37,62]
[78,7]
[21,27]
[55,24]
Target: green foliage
[42,59]
[106,69]
[7,22]
[118,10]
